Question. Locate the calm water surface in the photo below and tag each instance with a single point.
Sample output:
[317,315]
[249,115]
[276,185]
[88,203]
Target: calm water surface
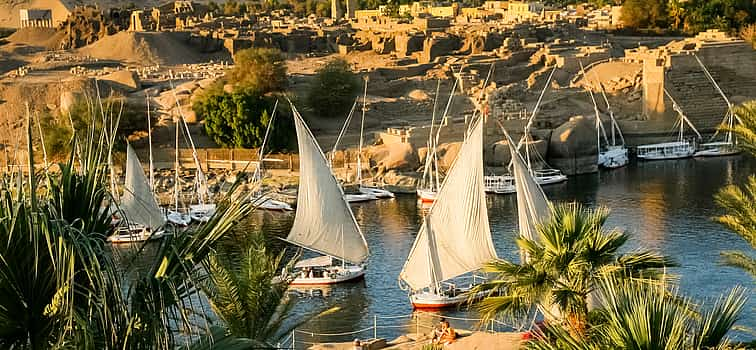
[666,206]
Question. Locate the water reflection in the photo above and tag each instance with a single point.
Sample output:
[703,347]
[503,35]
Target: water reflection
[664,206]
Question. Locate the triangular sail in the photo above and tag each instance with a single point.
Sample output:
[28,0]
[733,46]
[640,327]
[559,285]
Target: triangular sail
[455,238]
[324,222]
[532,204]
[137,203]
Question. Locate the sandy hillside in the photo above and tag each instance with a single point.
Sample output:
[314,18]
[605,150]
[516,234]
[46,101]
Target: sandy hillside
[45,38]
[146,49]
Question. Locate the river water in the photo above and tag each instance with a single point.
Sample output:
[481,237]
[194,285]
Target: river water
[666,206]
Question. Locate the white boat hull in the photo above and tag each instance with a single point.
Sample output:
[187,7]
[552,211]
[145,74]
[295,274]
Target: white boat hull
[330,275]
[377,192]
[201,212]
[136,234]
[357,198]
[717,149]
[429,300]
[499,184]
[614,157]
[665,151]
[178,219]
[267,203]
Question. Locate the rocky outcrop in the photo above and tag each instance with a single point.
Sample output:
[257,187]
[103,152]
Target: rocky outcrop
[573,148]
[498,154]
[398,156]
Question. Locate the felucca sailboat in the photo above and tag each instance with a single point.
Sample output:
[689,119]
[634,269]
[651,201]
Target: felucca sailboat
[610,154]
[455,238]
[143,218]
[726,147]
[675,149]
[367,190]
[546,175]
[324,222]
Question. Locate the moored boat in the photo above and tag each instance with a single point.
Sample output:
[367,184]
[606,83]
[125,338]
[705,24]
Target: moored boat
[681,148]
[142,217]
[455,238]
[324,222]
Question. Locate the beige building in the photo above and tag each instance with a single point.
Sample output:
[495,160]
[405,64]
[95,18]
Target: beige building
[36,18]
[518,11]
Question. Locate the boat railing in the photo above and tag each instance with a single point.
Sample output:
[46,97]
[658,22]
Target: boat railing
[417,322]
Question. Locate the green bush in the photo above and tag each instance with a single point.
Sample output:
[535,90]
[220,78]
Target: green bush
[334,88]
[57,130]
[259,69]
[239,119]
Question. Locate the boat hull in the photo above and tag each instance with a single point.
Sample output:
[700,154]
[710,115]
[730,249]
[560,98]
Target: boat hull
[338,274]
[614,157]
[666,151]
[267,203]
[357,198]
[178,219]
[426,196]
[432,301]
[135,235]
[377,192]
[717,152]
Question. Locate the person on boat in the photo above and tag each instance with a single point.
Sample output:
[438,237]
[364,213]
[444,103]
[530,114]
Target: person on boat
[357,344]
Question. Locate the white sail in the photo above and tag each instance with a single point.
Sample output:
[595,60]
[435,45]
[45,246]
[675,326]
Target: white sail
[324,222]
[532,204]
[455,238]
[137,203]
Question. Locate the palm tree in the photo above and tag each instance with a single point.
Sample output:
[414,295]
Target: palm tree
[566,261]
[247,291]
[647,315]
[740,205]
[740,202]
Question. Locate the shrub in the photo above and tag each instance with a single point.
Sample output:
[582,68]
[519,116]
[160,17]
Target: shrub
[259,69]
[333,89]
[239,119]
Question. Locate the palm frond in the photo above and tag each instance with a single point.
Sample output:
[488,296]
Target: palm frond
[740,260]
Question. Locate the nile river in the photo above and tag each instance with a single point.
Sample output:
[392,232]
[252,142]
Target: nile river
[666,206]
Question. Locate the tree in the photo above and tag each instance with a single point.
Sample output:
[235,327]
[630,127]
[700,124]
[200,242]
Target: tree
[240,119]
[262,70]
[246,290]
[639,315]
[571,254]
[639,14]
[739,202]
[333,89]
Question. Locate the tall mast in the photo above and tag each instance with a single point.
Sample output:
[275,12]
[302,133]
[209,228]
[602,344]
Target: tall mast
[259,170]
[729,117]
[431,146]
[176,175]
[149,140]
[526,136]
[201,184]
[362,127]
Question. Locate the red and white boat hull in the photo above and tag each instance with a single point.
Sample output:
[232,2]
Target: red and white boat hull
[426,196]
